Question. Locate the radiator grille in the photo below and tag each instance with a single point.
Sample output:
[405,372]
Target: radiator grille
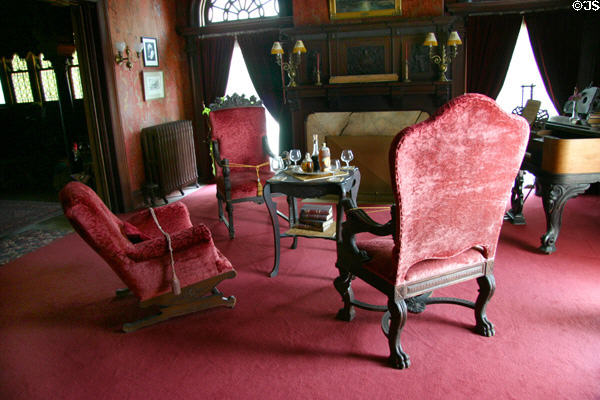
[169,156]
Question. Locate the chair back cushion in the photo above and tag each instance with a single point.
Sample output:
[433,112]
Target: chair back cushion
[239,131]
[94,222]
[451,177]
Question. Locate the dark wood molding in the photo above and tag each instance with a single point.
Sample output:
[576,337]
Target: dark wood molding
[505,7]
[237,27]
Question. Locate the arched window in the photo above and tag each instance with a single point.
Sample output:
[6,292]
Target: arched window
[20,80]
[75,77]
[234,10]
[48,78]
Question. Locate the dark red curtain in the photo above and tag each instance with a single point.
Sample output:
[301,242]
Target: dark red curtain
[556,40]
[215,60]
[490,43]
[266,76]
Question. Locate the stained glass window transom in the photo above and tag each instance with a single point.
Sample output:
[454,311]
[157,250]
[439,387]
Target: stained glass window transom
[20,80]
[233,10]
[48,78]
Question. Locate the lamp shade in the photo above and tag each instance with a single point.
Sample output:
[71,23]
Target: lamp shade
[120,46]
[430,40]
[299,47]
[139,47]
[454,39]
[276,49]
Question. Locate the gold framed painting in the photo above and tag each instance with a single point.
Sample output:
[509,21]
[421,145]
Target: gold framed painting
[344,9]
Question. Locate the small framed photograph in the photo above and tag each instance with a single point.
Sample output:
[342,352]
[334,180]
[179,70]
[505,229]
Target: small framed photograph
[150,52]
[154,85]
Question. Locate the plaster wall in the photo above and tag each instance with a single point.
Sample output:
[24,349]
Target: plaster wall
[128,20]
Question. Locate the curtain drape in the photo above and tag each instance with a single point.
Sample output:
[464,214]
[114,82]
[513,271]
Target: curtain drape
[556,39]
[215,60]
[266,77]
[490,44]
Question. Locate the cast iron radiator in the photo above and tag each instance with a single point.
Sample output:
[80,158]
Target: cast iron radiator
[169,158]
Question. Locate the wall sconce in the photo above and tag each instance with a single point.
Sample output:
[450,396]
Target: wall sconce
[291,67]
[122,47]
[445,56]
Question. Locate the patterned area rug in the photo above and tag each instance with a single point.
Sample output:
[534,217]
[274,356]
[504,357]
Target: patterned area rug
[14,246]
[15,215]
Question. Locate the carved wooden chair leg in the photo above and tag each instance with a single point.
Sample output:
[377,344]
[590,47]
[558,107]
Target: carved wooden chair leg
[229,206]
[398,312]
[220,204]
[487,286]
[343,285]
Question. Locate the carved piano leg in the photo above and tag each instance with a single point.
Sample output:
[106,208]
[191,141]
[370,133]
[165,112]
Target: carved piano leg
[515,214]
[554,198]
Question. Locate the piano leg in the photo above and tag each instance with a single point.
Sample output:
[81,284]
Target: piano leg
[554,198]
[515,214]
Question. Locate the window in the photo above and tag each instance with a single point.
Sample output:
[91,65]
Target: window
[233,10]
[21,83]
[48,78]
[2,99]
[75,78]
[523,72]
[239,82]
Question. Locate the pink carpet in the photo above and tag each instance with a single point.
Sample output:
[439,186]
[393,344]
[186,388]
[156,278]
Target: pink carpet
[60,339]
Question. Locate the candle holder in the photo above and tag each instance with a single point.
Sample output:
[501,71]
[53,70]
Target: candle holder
[291,66]
[446,55]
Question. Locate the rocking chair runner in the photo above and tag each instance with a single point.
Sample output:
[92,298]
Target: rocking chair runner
[451,178]
[139,253]
[241,154]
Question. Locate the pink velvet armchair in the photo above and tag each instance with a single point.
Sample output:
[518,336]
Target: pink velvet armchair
[240,152]
[138,252]
[451,178]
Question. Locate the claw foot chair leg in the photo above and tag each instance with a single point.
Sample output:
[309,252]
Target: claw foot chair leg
[487,286]
[398,312]
[343,285]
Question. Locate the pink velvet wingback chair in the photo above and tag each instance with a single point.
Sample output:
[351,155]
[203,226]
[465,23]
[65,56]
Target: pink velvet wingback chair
[139,254]
[451,178]
[239,143]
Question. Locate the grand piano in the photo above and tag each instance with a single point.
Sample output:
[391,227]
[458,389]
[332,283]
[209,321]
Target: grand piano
[565,159]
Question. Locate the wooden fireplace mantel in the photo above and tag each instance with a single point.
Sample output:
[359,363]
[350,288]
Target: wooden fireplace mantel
[377,96]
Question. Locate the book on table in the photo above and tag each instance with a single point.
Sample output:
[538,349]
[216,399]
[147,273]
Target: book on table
[315,217]
[316,211]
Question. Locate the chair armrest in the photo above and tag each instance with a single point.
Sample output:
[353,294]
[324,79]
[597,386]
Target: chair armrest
[181,240]
[358,221]
[173,217]
[222,163]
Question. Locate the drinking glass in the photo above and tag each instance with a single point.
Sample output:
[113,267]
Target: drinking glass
[295,156]
[347,156]
[276,164]
[335,166]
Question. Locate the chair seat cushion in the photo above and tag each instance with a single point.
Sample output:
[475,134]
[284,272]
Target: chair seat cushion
[381,252]
[243,182]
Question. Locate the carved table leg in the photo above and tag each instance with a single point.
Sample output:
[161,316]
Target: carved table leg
[554,198]
[272,207]
[293,217]
[515,214]
[343,284]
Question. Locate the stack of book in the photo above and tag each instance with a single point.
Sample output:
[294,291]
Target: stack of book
[315,217]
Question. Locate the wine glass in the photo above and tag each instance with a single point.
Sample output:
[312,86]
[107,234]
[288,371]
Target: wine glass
[335,166]
[277,165]
[347,156]
[295,156]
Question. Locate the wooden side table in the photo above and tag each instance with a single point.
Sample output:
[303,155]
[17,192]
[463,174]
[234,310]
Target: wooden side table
[295,188]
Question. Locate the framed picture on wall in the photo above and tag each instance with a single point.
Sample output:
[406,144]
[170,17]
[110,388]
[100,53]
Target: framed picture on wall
[341,9]
[154,85]
[150,52]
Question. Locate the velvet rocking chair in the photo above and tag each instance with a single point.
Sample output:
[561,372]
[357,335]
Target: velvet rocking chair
[241,153]
[451,178]
[164,260]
